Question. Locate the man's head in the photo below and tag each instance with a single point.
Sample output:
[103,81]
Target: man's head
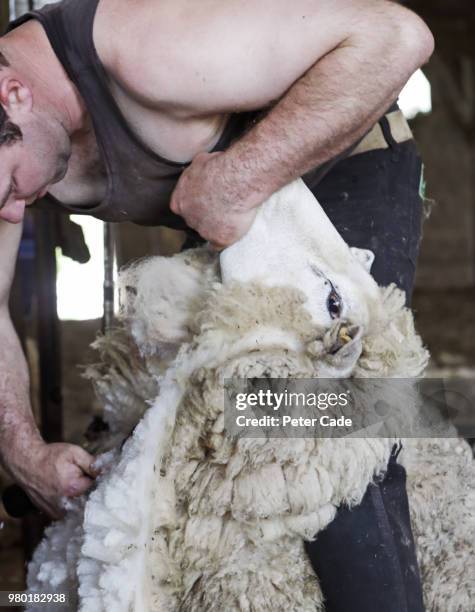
[34,147]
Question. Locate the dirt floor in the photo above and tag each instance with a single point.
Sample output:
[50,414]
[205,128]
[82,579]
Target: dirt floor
[11,555]
[445,320]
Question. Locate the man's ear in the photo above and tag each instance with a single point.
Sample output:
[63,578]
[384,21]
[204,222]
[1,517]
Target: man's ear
[15,96]
[161,296]
[364,256]
[338,352]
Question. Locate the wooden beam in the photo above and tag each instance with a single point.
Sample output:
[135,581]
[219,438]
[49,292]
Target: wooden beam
[48,327]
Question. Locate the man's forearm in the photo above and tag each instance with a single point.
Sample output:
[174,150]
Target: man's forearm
[48,472]
[340,97]
[327,109]
[18,431]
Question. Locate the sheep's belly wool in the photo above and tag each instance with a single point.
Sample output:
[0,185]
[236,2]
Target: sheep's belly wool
[186,518]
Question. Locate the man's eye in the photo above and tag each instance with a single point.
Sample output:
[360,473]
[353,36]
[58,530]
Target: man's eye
[334,304]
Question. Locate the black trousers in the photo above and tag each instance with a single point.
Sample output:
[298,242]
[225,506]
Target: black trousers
[373,200]
[365,559]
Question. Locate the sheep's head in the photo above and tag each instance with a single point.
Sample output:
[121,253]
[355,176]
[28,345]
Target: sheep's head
[292,280]
[293,243]
[365,329]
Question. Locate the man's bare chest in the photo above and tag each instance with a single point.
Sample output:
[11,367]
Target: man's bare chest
[174,134]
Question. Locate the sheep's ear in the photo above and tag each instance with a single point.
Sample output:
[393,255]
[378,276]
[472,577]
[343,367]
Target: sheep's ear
[364,256]
[339,350]
[160,296]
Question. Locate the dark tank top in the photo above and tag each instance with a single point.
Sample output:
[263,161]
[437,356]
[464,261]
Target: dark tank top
[139,181]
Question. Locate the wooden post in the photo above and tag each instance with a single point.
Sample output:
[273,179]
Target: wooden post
[48,328]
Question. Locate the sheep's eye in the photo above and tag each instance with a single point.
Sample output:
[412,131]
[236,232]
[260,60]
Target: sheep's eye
[334,304]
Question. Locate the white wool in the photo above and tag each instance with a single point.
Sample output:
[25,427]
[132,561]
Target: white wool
[53,568]
[112,573]
[441,488]
[159,303]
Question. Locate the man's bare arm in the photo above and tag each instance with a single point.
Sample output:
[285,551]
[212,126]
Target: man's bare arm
[46,471]
[339,98]
[17,426]
[328,108]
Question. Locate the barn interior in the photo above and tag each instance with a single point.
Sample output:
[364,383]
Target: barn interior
[63,293]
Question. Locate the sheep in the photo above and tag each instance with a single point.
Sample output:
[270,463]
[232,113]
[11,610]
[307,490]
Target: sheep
[187,518]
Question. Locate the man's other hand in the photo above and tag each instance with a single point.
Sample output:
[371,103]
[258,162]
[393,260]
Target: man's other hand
[56,471]
[208,198]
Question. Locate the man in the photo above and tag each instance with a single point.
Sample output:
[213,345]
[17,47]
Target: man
[105,103]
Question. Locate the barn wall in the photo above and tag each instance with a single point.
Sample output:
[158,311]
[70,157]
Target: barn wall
[446,141]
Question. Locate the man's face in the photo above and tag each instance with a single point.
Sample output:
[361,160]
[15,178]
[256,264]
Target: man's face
[30,166]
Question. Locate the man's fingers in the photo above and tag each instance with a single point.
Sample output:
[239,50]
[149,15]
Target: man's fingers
[78,486]
[62,470]
[217,247]
[85,461]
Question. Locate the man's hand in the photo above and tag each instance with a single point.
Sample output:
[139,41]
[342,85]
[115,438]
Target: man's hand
[207,196]
[54,471]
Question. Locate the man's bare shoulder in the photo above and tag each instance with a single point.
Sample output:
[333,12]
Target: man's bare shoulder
[213,55]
